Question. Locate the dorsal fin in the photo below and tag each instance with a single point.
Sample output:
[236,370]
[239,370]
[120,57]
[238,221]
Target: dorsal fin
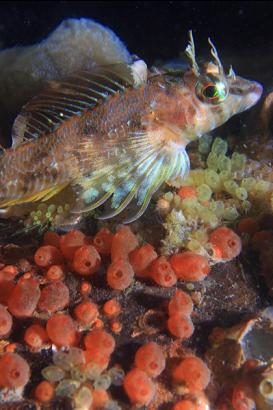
[72,96]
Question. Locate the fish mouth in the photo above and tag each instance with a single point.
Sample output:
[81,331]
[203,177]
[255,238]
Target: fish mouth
[254,93]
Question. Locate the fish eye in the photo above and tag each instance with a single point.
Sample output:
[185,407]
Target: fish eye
[213,92]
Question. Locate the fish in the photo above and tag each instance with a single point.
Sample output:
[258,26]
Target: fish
[116,133]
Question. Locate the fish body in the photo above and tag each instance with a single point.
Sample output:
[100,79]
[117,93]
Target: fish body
[117,133]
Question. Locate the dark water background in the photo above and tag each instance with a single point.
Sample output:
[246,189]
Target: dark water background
[158,30]
[151,29]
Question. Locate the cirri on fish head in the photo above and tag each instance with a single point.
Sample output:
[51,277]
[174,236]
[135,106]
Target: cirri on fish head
[116,133]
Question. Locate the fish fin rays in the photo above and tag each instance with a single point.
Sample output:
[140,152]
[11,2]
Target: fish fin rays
[133,179]
[62,100]
[37,196]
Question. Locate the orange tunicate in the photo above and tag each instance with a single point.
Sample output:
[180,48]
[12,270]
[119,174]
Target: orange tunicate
[103,241]
[70,242]
[150,359]
[24,297]
[139,387]
[14,371]
[185,405]
[100,399]
[116,326]
[187,192]
[192,372]
[48,255]
[112,307]
[55,272]
[86,312]
[35,336]
[248,225]
[7,274]
[54,297]
[52,238]
[227,241]
[190,266]
[86,260]
[240,398]
[85,288]
[124,242]
[261,240]
[162,272]
[119,274]
[180,326]
[141,258]
[97,358]
[99,340]
[61,330]
[44,391]
[181,302]
[5,321]
[198,402]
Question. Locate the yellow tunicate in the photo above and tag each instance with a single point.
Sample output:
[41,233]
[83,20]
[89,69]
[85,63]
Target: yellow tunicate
[212,161]
[241,193]
[198,177]
[193,245]
[246,206]
[212,179]
[238,161]
[230,213]
[217,207]
[224,163]
[262,187]
[168,196]
[201,236]
[248,183]
[189,181]
[230,187]
[224,176]
[208,216]
[51,208]
[176,201]
[219,146]
[203,192]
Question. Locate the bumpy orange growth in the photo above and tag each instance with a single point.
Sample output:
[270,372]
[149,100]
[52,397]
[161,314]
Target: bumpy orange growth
[139,387]
[248,225]
[150,359]
[120,274]
[54,297]
[141,258]
[35,336]
[100,399]
[52,238]
[192,372]
[5,321]
[112,307]
[61,330]
[227,241]
[48,255]
[44,392]
[180,303]
[14,371]
[86,260]
[24,297]
[85,288]
[55,272]
[124,242]
[187,192]
[162,272]
[185,405]
[103,241]
[180,326]
[70,242]
[190,266]
[99,340]
[86,312]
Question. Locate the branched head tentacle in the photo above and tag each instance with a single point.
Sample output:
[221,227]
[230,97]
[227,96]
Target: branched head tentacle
[215,56]
[190,51]
[231,73]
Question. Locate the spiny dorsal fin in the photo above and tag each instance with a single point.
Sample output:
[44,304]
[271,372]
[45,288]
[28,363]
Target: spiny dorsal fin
[72,96]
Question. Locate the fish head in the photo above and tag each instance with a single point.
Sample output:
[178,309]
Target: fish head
[217,96]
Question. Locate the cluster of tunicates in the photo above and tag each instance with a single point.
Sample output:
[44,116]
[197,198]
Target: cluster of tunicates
[46,214]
